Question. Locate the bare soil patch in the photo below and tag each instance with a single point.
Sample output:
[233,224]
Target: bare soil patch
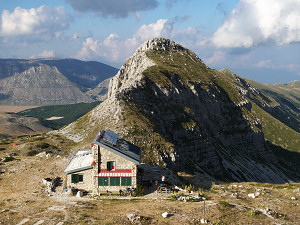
[14,125]
[14,109]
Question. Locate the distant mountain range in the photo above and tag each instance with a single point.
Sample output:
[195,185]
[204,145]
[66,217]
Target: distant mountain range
[51,81]
[191,118]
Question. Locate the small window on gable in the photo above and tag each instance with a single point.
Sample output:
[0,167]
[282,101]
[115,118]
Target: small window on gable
[111,166]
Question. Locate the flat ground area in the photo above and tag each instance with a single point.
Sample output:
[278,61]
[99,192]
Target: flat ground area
[14,109]
[14,125]
[24,200]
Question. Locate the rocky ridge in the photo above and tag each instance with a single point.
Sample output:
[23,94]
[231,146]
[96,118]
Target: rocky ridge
[52,81]
[41,85]
[183,115]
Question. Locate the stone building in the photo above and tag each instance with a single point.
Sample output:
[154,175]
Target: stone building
[110,165]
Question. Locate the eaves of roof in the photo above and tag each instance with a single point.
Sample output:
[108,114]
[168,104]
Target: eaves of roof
[78,169]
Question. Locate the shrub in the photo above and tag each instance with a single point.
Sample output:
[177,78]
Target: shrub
[8,159]
[225,204]
[32,153]
[42,145]
[39,139]
[1,149]
[254,212]
[140,190]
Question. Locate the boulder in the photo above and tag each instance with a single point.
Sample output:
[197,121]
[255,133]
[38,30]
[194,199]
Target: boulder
[165,215]
[133,218]
[79,194]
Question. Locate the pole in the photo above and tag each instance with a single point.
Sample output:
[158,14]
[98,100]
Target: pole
[204,209]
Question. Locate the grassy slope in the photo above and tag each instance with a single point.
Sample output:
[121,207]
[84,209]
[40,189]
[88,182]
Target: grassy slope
[292,93]
[290,90]
[69,113]
[189,68]
[276,132]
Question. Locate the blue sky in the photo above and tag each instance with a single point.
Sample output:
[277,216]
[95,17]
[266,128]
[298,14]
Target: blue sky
[257,39]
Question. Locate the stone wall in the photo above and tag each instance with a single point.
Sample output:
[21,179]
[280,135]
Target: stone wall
[88,180]
[122,167]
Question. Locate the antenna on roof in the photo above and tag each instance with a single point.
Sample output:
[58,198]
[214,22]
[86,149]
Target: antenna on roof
[110,137]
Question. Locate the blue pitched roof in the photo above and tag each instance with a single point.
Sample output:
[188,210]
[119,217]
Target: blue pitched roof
[122,148]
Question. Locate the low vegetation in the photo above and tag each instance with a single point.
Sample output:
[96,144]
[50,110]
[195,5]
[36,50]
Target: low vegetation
[276,132]
[57,116]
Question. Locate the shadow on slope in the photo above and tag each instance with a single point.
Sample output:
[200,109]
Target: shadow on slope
[204,132]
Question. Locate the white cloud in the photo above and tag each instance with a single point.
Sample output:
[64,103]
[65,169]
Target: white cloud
[114,8]
[162,26]
[218,58]
[89,46]
[44,54]
[265,64]
[116,49]
[35,21]
[256,22]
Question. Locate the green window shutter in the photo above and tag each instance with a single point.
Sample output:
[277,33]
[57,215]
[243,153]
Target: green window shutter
[126,181]
[102,181]
[114,181]
[74,178]
[108,166]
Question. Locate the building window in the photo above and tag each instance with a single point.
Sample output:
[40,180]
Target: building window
[114,181]
[111,166]
[126,181]
[76,178]
[102,181]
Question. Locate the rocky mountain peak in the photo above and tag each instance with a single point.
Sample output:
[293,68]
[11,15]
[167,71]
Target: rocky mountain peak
[130,74]
[160,43]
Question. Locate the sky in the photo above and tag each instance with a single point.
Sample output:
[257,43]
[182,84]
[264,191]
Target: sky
[256,39]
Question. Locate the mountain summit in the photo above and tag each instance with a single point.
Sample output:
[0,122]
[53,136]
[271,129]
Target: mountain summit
[185,116]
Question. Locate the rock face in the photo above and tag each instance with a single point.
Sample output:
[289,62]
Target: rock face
[51,81]
[49,86]
[183,115]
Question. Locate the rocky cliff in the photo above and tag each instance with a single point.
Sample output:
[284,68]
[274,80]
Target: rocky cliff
[183,115]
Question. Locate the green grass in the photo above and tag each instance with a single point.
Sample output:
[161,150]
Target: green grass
[254,212]
[173,64]
[286,91]
[225,204]
[32,153]
[276,132]
[69,113]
